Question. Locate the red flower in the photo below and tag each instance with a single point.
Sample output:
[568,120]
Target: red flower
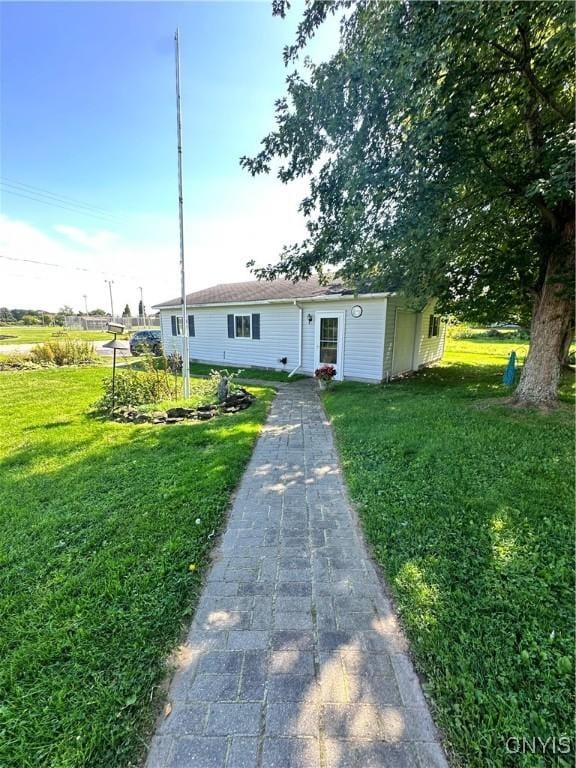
[326,372]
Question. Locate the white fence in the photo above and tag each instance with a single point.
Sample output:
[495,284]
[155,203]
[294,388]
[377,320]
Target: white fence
[89,323]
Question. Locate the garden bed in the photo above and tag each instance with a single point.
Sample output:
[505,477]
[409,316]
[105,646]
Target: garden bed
[237,401]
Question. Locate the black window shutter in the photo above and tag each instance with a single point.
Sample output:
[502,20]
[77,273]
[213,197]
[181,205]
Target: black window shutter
[431,326]
[230,326]
[174,328]
[256,326]
[191,325]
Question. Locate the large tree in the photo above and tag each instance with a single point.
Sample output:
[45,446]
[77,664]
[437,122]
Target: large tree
[439,144]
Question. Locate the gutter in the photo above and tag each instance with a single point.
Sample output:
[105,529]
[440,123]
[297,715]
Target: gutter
[300,331]
[323,297]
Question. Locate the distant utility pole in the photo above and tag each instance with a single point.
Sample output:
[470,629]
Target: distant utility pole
[110,284]
[185,343]
[85,311]
[142,309]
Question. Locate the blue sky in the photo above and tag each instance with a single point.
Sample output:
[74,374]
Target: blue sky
[88,112]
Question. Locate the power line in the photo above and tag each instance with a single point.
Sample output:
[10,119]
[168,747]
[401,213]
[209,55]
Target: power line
[108,219]
[64,266]
[62,198]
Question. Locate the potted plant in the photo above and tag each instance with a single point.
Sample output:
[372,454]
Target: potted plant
[325,375]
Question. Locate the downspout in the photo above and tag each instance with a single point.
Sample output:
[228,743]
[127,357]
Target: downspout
[300,318]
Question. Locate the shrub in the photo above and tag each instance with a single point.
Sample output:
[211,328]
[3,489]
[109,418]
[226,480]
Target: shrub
[521,334]
[136,388]
[18,362]
[67,351]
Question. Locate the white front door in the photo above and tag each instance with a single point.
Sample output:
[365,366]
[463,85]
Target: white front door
[329,341]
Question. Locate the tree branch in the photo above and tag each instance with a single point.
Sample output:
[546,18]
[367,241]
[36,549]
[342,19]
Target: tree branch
[524,67]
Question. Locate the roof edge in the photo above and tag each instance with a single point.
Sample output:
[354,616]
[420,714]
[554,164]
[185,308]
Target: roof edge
[322,297]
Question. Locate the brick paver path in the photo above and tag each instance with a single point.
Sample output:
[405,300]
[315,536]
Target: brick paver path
[294,658]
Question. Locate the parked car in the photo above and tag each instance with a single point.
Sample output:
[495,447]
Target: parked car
[146,341]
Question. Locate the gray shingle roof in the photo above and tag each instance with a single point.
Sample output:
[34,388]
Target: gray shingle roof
[258,290]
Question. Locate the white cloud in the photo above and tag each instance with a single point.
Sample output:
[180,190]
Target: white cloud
[258,218]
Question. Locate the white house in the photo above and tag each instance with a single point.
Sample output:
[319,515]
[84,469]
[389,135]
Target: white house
[298,326]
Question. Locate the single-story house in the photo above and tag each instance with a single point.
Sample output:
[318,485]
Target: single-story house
[297,327]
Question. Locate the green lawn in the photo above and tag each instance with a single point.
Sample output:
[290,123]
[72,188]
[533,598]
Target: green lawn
[484,351]
[97,532]
[469,507]
[22,334]
[264,374]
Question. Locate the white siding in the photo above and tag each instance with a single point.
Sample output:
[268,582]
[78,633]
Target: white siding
[368,340]
[210,344]
[363,336]
[428,350]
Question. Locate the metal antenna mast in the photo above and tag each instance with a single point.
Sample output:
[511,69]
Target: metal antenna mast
[185,340]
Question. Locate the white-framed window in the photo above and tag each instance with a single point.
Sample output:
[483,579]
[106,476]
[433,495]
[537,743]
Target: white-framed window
[243,326]
[178,326]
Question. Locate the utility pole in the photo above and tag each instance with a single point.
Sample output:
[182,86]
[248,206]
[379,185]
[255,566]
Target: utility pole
[142,313]
[85,311]
[110,283]
[185,343]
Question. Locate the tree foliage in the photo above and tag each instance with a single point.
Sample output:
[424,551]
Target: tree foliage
[439,143]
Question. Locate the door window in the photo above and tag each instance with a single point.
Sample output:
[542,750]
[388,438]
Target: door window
[328,340]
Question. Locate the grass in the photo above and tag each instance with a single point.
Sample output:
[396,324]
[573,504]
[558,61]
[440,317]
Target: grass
[484,351]
[97,524]
[264,374]
[469,511]
[22,334]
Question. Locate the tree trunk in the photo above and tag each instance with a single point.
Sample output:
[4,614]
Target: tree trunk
[551,322]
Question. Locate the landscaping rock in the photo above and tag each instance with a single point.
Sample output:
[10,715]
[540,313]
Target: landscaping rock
[235,402]
[184,413]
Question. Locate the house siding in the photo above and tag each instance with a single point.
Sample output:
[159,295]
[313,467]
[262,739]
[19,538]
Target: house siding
[368,340]
[426,350]
[211,344]
[363,336]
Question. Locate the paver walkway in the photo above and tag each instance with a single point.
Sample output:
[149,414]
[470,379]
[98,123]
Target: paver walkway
[294,658]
